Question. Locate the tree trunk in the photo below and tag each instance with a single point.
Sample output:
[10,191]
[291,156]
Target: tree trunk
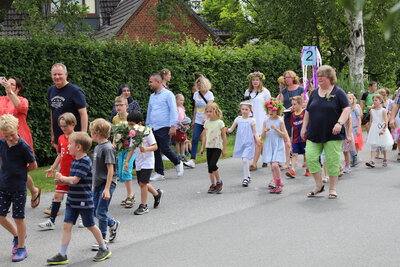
[356,49]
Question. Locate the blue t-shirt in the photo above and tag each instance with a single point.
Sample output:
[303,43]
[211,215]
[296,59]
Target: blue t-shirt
[13,165]
[69,98]
[287,95]
[324,114]
[80,194]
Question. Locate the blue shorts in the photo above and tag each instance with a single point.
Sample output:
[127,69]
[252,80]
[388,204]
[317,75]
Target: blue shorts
[18,201]
[87,215]
[298,148]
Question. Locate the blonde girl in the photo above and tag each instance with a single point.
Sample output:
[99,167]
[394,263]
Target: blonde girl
[214,140]
[180,136]
[379,137]
[257,94]
[201,98]
[275,133]
[355,116]
[166,77]
[246,138]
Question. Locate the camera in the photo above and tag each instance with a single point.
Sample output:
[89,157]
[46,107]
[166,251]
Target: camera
[245,98]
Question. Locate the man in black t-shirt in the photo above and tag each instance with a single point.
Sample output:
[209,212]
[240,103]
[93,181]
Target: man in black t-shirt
[65,97]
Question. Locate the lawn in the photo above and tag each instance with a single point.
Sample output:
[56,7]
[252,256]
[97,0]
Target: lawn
[47,184]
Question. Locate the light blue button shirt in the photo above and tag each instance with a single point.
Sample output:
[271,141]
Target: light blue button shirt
[162,111]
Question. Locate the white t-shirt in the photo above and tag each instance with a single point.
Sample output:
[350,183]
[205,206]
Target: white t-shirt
[257,101]
[145,160]
[201,105]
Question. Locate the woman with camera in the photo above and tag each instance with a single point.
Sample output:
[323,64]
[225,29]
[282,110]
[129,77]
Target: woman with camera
[18,106]
[257,94]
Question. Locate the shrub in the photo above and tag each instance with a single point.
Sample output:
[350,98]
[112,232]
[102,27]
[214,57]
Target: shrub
[99,67]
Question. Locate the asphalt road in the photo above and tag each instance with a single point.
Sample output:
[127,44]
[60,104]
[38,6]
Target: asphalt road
[242,226]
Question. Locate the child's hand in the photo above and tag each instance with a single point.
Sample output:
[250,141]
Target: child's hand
[229,130]
[142,149]
[224,152]
[381,132]
[266,129]
[57,179]
[201,151]
[126,166]
[106,194]
[274,127]
[49,173]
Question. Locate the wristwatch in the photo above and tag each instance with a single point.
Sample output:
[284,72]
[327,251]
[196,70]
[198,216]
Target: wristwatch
[340,123]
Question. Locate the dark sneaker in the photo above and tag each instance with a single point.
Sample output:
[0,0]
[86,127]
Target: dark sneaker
[218,187]
[212,189]
[15,246]
[20,255]
[95,246]
[113,231]
[57,260]
[141,210]
[102,254]
[157,198]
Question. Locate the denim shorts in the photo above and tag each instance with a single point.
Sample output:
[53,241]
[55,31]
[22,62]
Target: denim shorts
[87,215]
[18,201]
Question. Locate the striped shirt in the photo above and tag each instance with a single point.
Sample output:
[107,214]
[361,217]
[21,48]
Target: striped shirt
[80,194]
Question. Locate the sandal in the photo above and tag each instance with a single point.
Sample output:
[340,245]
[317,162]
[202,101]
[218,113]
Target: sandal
[277,189]
[253,168]
[314,193]
[370,164]
[129,202]
[123,202]
[36,201]
[384,163]
[271,184]
[332,194]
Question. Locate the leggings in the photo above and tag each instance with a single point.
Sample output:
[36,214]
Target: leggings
[213,155]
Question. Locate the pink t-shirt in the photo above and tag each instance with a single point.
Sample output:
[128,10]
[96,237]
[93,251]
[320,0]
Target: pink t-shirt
[181,114]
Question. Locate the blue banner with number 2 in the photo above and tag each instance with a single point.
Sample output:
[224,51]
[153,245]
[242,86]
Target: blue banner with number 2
[309,57]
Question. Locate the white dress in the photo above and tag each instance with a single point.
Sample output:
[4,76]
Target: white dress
[374,139]
[257,101]
[244,143]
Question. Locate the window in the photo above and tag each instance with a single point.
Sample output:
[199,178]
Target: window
[91,4]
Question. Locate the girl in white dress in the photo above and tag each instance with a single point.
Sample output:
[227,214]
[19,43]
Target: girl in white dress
[246,137]
[257,94]
[379,137]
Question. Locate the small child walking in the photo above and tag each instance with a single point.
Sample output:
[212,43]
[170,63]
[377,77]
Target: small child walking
[298,144]
[180,136]
[104,178]
[144,165]
[125,176]
[379,137]
[246,137]
[67,122]
[348,145]
[275,133]
[355,115]
[16,160]
[214,140]
[79,199]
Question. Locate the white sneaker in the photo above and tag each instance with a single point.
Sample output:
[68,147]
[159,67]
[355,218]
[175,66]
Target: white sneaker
[80,223]
[164,157]
[157,177]
[190,164]
[179,169]
[47,225]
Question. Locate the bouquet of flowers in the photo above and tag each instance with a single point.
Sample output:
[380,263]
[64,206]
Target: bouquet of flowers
[125,135]
[274,104]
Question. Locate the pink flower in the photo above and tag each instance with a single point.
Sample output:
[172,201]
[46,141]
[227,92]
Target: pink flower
[275,108]
[267,103]
[270,106]
[126,144]
[132,133]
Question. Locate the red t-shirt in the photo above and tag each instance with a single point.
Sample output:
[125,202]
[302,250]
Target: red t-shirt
[66,158]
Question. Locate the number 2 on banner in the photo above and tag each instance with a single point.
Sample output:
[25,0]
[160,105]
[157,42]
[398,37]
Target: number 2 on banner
[309,56]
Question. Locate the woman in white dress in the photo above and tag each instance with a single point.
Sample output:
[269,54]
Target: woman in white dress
[257,94]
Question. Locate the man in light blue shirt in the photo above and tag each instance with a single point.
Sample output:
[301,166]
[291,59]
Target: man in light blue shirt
[162,117]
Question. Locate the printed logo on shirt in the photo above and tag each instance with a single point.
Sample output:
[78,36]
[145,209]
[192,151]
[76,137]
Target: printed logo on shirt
[57,102]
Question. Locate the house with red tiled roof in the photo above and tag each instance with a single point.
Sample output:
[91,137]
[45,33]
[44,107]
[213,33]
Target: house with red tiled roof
[121,19]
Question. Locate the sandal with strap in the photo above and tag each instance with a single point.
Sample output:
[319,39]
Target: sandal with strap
[332,194]
[129,202]
[384,163]
[314,193]
[277,189]
[246,182]
[123,202]
[36,201]
[370,164]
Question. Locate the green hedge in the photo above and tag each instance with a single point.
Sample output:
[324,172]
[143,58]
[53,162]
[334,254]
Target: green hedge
[100,67]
